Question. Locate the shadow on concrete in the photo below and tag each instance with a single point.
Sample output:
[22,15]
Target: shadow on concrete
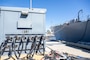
[83,49]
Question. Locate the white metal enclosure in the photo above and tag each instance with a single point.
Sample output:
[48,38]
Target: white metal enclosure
[21,21]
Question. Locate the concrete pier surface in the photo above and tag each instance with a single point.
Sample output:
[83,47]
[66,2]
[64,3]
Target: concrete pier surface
[58,46]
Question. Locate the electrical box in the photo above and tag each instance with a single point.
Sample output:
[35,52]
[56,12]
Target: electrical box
[21,21]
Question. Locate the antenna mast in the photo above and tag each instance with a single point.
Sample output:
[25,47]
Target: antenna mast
[30,4]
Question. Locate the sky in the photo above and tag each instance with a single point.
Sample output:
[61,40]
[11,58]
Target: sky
[58,11]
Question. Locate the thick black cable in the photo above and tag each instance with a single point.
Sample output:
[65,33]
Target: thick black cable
[13,48]
[28,40]
[33,46]
[39,44]
[4,46]
[20,50]
[10,54]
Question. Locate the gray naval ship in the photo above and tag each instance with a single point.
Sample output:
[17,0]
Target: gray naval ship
[75,31]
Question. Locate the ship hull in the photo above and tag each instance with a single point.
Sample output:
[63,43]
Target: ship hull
[74,32]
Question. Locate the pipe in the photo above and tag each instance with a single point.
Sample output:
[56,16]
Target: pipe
[79,14]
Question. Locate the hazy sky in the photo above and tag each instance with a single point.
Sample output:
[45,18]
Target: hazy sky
[58,11]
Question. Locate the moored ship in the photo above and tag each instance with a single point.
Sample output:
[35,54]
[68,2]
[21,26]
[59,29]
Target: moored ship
[75,31]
